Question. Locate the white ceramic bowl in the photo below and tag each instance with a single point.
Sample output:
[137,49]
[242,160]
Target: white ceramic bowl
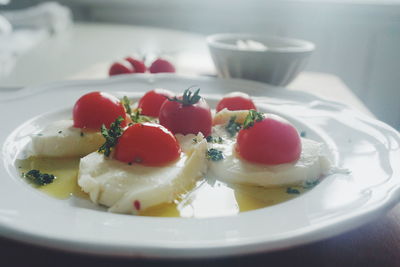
[277,64]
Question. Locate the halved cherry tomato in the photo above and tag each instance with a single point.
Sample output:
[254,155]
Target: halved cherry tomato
[161,65]
[122,67]
[138,65]
[185,116]
[149,144]
[236,101]
[97,108]
[269,141]
[151,102]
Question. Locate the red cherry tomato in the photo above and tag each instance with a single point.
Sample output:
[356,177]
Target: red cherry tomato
[148,144]
[186,119]
[151,102]
[270,141]
[236,101]
[161,65]
[120,68]
[138,65]
[97,108]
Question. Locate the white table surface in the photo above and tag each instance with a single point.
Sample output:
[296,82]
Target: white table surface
[86,51]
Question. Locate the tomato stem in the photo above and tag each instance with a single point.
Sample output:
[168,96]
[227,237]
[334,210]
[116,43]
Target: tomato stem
[188,98]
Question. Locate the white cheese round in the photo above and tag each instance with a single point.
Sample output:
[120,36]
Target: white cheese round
[61,139]
[130,188]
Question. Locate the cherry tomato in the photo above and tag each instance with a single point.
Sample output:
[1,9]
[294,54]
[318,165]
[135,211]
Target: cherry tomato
[236,101]
[270,141]
[97,108]
[161,65]
[149,144]
[186,118]
[138,65]
[120,68]
[151,102]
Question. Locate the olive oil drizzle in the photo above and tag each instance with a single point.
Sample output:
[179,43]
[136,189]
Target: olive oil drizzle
[208,198]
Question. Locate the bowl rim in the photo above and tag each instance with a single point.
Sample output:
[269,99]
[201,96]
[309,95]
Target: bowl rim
[299,45]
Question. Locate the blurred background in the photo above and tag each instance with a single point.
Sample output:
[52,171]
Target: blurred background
[357,40]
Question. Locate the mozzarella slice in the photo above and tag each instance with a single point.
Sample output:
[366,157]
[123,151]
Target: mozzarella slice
[130,188]
[310,167]
[61,139]
[225,115]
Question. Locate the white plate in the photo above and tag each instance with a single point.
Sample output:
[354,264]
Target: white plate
[368,148]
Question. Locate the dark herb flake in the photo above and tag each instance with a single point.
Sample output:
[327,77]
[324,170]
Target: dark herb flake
[233,127]
[310,184]
[291,190]
[217,140]
[214,154]
[38,178]
[303,133]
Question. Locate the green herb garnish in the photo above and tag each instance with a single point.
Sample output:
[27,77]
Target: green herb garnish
[291,190]
[251,118]
[310,184]
[233,127]
[111,135]
[217,140]
[38,178]
[135,115]
[188,98]
[127,104]
[214,154]
[303,133]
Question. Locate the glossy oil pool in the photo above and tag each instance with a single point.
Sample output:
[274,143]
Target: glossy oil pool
[208,198]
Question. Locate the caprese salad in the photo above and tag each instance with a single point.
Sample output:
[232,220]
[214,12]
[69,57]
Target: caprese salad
[137,156]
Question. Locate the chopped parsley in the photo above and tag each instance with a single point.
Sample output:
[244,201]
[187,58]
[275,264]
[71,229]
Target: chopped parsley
[233,127]
[211,139]
[303,133]
[214,154]
[291,190]
[111,135]
[310,184]
[306,185]
[82,134]
[135,115]
[127,104]
[188,98]
[251,118]
[38,178]
[59,132]
[194,140]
